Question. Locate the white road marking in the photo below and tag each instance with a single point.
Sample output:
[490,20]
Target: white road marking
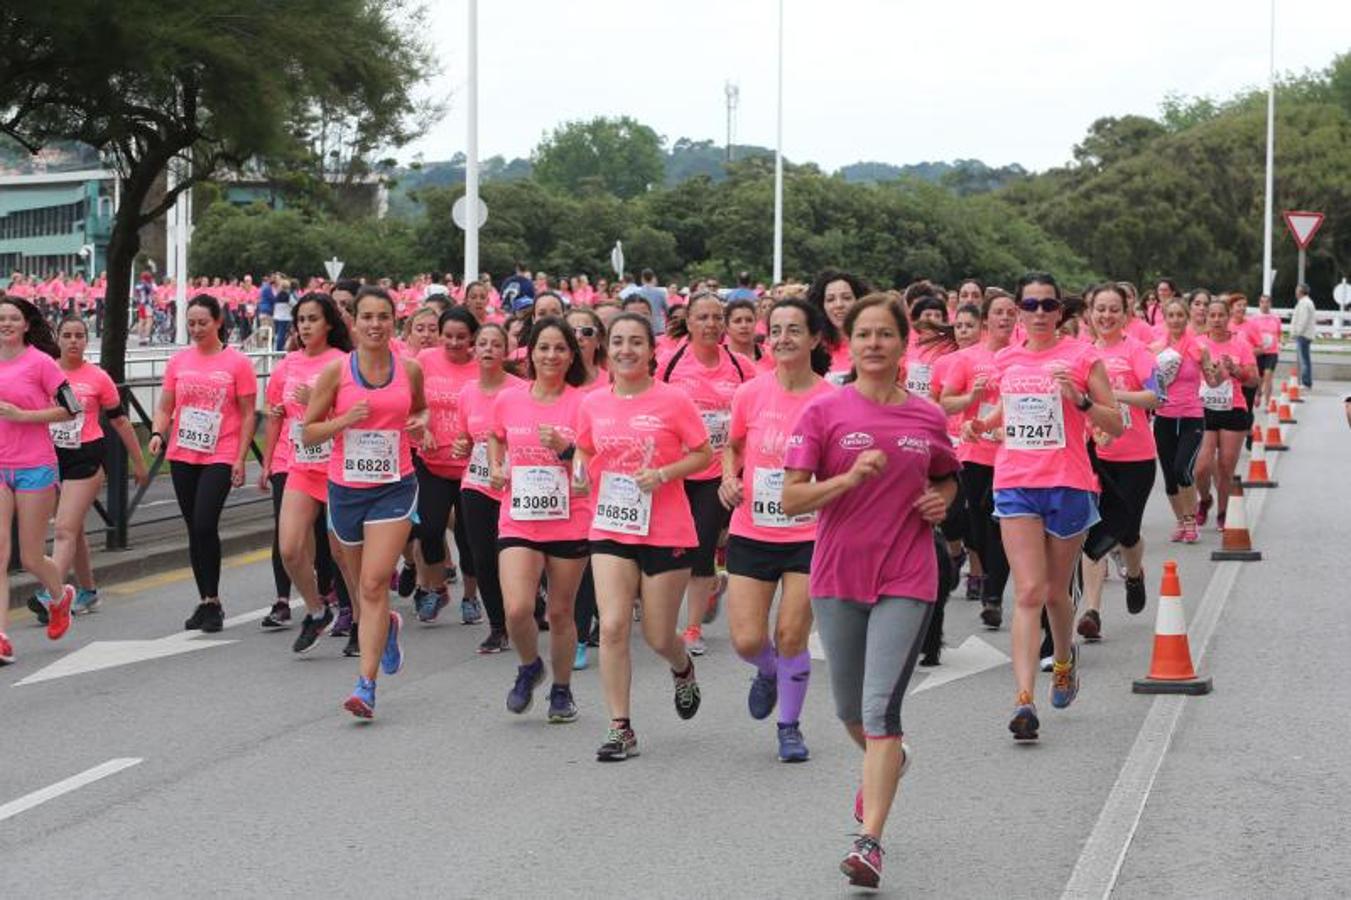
[971,658]
[1100,861]
[73,783]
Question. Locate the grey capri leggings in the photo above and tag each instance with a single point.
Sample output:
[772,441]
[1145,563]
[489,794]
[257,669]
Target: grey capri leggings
[871,651]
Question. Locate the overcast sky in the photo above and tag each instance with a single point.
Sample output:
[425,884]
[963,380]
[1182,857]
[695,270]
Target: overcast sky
[889,80]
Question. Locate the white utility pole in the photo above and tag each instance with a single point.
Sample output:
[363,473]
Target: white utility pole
[1268,212]
[471,155]
[778,167]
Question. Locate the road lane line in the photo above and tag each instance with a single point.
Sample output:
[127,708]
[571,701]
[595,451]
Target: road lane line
[73,783]
[160,579]
[1099,864]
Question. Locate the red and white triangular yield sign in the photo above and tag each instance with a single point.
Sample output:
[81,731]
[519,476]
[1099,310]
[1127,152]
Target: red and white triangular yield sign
[1303,225]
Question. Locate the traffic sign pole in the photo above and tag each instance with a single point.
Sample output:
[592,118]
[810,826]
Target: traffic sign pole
[1303,226]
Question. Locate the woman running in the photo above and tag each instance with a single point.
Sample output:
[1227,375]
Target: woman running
[834,292]
[1125,464]
[542,527]
[479,500]
[371,406]
[1264,333]
[207,408]
[297,473]
[34,393]
[1179,423]
[740,315]
[636,443]
[970,390]
[589,330]
[768,551]
[709,374]
[1198,302]
[1051,389]
[80,452]
[873,577]
[1233,366]
[446,369]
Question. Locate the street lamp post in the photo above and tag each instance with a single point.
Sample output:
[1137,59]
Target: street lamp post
[1267,274]
[778,166]
[471,155]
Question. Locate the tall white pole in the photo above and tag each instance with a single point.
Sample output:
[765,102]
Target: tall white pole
[471,155]
[1271,145]
[182,220]
[778,167]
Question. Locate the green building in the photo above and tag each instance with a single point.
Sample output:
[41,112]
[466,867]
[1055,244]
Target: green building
[56,222]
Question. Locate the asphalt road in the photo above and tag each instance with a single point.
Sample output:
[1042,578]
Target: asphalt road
[251,780]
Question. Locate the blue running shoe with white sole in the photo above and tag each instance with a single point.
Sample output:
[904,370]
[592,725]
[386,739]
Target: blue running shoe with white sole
[471,611]
[1065,680]
[763,696]
[391,661]
[86,601]
[362,702]
[562,708]
[522,693]
[792,748]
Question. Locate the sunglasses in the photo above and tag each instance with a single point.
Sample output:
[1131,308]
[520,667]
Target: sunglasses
[1046,304]
[586,331]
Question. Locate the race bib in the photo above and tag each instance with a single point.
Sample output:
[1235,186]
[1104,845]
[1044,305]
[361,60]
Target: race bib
[1034,421]
[370,456]
[1268,340]
[767,501]
[476,473]
[917,378]
[717,423]
[309,454]
[539,493]
[985,413]
[198,429]
[622,506]
[66,435]
[1218,399]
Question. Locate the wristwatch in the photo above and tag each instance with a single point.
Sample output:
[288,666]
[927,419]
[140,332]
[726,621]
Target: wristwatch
[1085,403]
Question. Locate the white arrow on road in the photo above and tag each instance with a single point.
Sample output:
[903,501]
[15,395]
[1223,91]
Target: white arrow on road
[972,657]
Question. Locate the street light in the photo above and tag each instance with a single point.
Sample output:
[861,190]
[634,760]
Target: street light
[778,168]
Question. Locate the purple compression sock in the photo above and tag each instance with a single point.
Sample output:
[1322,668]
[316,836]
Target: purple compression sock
[765,661]
[794,672]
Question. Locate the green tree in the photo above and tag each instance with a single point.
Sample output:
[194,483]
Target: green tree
[618,156]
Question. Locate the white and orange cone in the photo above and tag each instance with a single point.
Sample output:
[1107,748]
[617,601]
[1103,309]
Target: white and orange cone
[1293,391]
[1287,415]
[1235,541]
[1258,476]
[1171,670]
[1274,442]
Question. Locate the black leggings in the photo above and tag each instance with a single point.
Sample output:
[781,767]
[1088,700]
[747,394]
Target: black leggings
[710,518]
[1125,492]
[201,491]
[437,496]
[983,528]
[1179,441]
[325,570]
[481,511]
[584,609]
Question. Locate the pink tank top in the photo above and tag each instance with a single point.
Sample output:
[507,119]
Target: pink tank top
[375,451]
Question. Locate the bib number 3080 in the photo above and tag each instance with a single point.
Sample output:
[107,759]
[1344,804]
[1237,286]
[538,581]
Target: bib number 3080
[622,506]
[371,456]
[539,493]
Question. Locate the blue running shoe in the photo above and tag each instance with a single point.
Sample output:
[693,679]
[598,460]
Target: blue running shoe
[522,693]
[471,611]
[792,748]
[562,708]
[362,702]
[580,660]
[86,601]
[391,661]
[1065,680]
[38,604]
[764,695]
[1025,725]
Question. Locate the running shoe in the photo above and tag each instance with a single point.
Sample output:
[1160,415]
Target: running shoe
[1189,533]
[38,604]
[1135,594]
[1219,521]
[279,616]
[1047,662]
[763,696]
[522,693]
[620,744]
[975,587]
[391,661]
[353,646]
[1090,626]
[562,708]
[407,580]
[792,748]
[715,598]
[362,702]
[1024,723]
[687,695]
[86,601]
[495,642]
[907,756]
[932,658]
[863,864]
[694,640]
[213,620]
[471,611]
[6,650]
[1203,510]
[1179,533]
[992,614]
[579,659]
[194,621]
[425,603]
[1065,680]
[311,629]
[342,625]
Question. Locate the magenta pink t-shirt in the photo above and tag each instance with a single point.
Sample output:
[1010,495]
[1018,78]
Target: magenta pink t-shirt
[1263,331]
[711,388]
[96,392]
[870,541]
[476,419]
[763,416]
[538,503]
[961,372]
[207,390]
[1183,399]
[442,382]
[1130,367]
[1140,330]
[1239,352]
[377,450]
[644,431]
[297,368]
[1044,433]
[29,381]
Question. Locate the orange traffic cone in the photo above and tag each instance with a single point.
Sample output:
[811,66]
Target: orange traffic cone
[1171,670]
[1235,542]
[1272,408]
[1256,436]
[1293,392]
[1287,416]
[1258,476]
[1274,442]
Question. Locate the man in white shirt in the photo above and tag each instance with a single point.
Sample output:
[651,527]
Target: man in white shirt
[1303,328]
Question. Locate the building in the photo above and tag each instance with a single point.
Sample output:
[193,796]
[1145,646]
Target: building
[56,222]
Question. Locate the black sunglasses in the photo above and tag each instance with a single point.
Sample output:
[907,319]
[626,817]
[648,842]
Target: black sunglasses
[1032,304]
[586,331]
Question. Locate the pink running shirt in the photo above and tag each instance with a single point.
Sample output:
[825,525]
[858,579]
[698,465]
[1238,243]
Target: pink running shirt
[206,426]
[442,383]
[476,418]
[377,450]
[961,373]
[1130,367]
[29,381]
[297,368]
[711,388]
[538,503]
[1229,395]
[96,392]
[1184,392]
[1264,332]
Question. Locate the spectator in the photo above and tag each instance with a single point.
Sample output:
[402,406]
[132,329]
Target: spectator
[743,289]
[656,298]
[517,291]
[1303,327]
[281,314]
[437,288]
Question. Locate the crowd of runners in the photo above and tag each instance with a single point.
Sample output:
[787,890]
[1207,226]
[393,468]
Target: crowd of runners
[824,457]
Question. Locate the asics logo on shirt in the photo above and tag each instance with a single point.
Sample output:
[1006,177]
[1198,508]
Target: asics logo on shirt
[913,445]
[856,440]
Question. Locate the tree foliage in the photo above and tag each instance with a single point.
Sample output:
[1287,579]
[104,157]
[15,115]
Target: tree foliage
[616,156]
